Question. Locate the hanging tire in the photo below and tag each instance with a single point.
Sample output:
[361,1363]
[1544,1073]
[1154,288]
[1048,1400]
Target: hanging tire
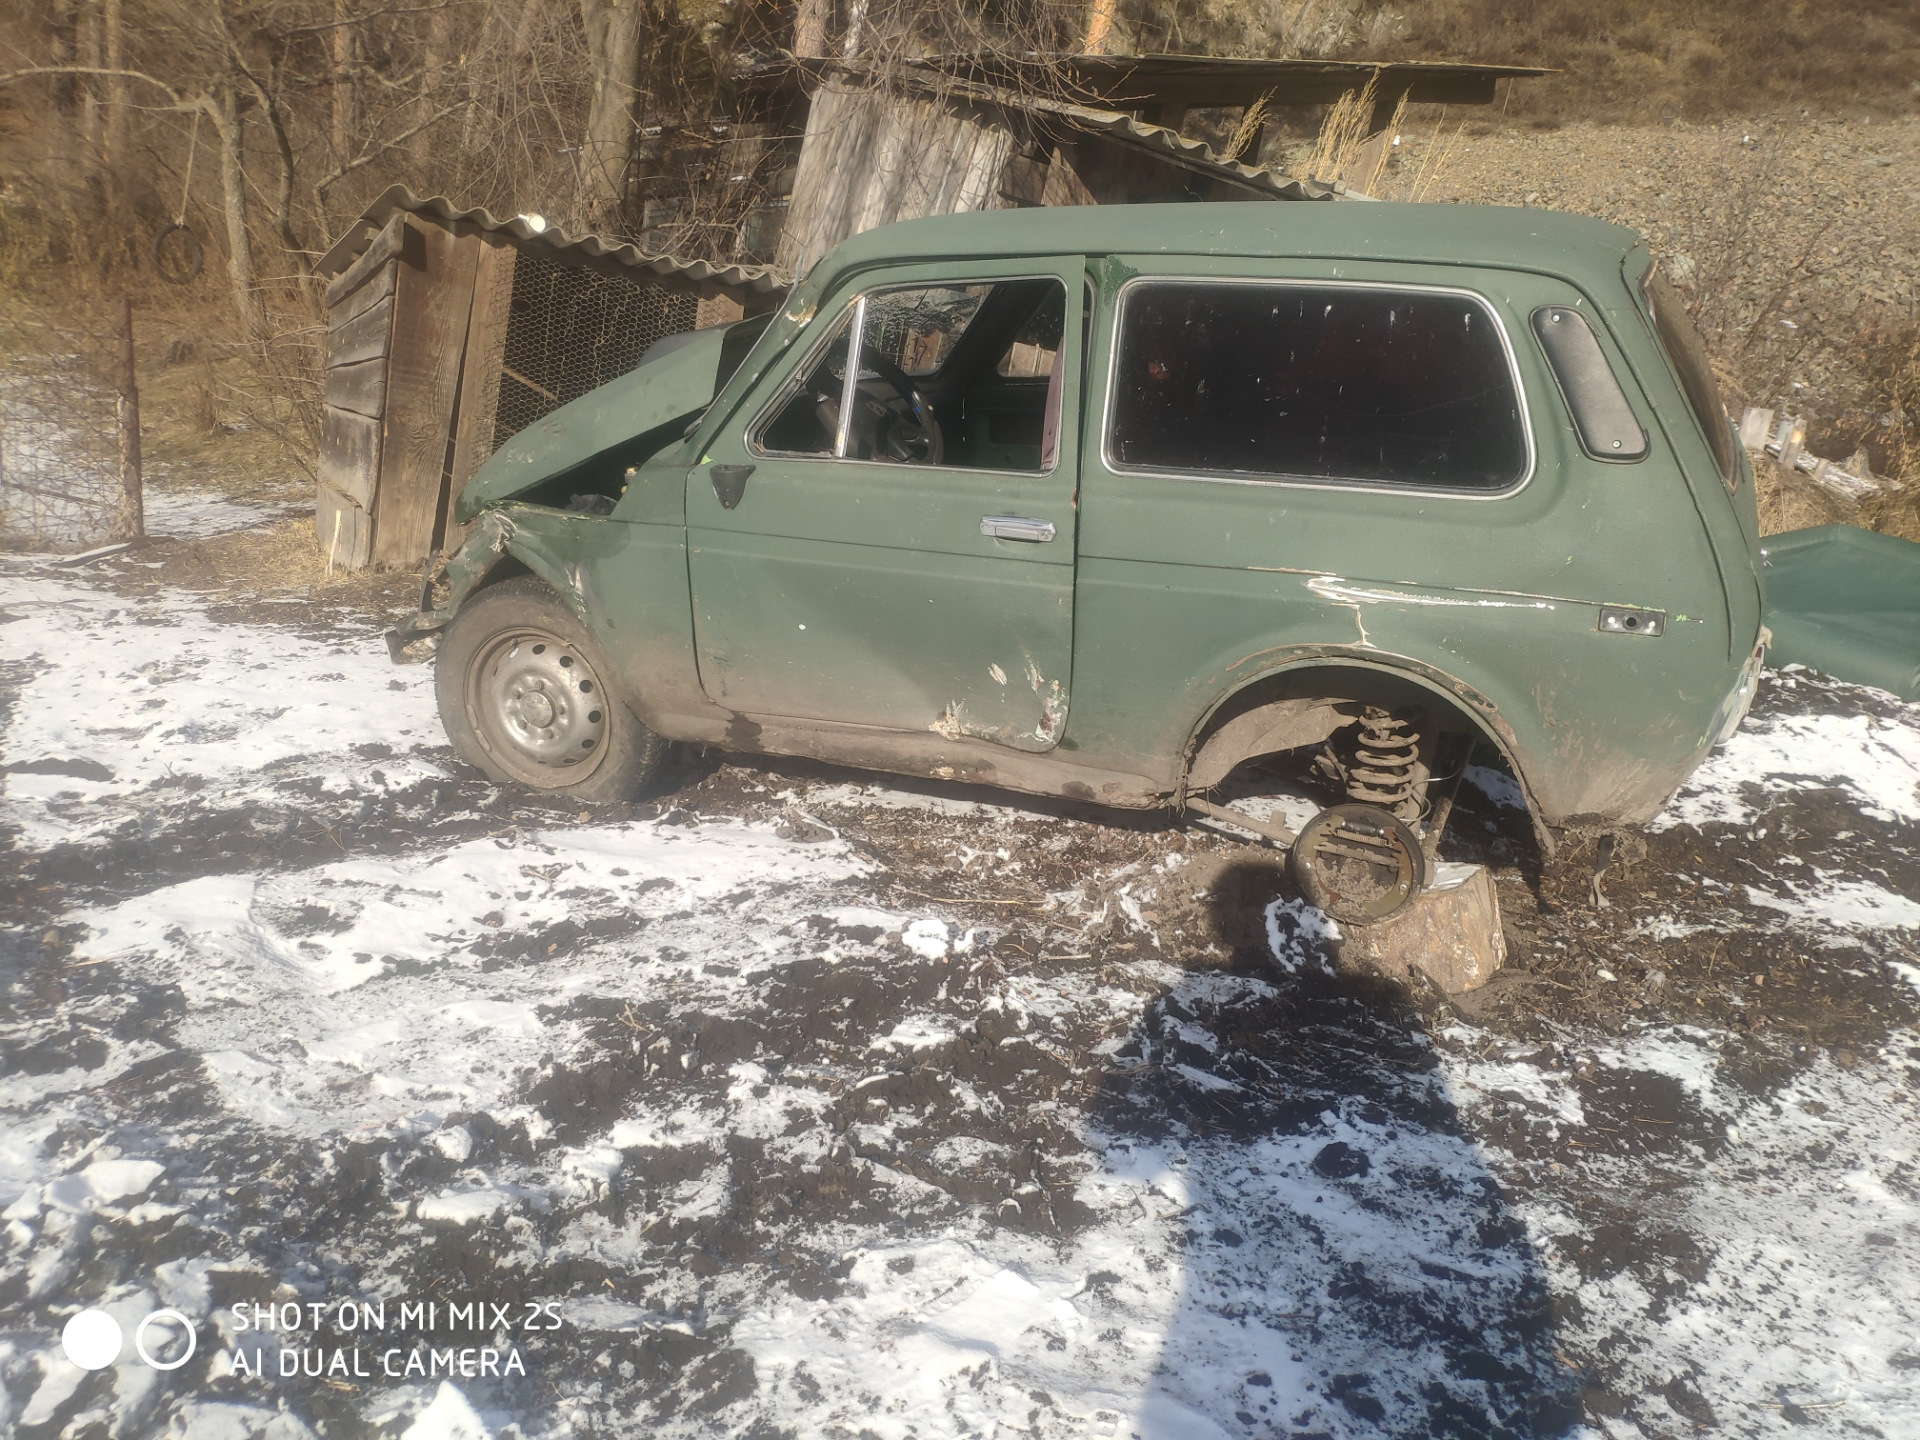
[523,694]
[177,255]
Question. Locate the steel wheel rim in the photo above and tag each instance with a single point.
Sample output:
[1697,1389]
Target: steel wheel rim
[540,707]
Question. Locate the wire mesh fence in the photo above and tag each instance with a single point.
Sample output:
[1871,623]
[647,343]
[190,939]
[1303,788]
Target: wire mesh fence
[570,330]
[60,458]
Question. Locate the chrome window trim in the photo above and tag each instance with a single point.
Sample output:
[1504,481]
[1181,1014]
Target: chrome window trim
[1309,482]
[791,387]
[858,305]
[850,382]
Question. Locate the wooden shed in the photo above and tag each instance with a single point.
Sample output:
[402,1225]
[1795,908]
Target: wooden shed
[448,330]
[955,133]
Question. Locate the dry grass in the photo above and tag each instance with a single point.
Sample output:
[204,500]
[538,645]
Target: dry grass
[1342,134]
[272,564]
[1790,501]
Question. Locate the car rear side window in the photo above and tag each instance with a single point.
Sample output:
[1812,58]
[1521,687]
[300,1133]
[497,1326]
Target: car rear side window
[1370,385]
[1687,353]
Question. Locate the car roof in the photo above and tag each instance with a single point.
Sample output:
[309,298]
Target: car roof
[1580,249]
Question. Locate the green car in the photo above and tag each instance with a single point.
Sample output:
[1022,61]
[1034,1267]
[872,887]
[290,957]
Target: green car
[1106,502]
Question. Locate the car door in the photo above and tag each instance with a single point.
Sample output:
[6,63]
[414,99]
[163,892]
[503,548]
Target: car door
[891,543]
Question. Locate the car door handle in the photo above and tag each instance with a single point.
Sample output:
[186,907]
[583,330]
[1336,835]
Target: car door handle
[729,483]
[1015,527]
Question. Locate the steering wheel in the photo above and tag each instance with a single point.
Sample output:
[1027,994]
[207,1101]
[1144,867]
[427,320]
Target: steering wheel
[909,432]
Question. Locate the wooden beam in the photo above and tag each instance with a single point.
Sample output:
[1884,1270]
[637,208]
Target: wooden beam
[385,246]
[486,347]
[363,299]
[1064,185]
[364,337]
[432,300]
[344,530]
[350,455]
[360,388]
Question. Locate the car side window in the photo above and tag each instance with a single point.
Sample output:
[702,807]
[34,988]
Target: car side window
[1381,385]
[963,375]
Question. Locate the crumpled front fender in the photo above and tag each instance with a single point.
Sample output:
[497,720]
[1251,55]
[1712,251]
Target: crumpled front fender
[415,638]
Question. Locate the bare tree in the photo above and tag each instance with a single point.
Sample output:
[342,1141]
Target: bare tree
[613,42]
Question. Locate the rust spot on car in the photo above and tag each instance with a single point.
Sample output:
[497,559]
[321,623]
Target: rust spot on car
[742,733]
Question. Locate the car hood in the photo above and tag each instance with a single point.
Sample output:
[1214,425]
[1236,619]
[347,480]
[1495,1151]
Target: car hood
[675,380]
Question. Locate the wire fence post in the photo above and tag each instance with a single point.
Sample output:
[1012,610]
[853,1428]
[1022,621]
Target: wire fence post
[132,520]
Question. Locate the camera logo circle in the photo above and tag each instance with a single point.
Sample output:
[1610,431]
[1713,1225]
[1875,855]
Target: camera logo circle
[93,1341]
[174,1316]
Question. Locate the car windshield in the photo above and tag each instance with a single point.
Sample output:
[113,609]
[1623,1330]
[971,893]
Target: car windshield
[1687,354]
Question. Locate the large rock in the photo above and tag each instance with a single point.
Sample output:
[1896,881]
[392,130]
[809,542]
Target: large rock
[1450,933]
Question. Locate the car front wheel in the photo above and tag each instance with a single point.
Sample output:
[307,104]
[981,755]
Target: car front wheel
[523,693]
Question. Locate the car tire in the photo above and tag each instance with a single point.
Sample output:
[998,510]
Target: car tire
[523,695]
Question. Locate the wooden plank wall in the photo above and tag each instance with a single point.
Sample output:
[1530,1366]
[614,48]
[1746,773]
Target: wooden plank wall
[359,334]
[486,348]
[871,157]
[416,340]
[432,298]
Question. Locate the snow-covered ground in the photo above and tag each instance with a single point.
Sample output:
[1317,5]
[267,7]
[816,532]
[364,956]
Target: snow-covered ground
[824,1106]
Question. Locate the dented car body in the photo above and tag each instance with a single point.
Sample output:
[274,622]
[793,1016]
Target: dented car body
[1104,503]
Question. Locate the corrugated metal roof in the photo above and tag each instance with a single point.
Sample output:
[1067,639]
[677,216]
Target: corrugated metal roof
[697,275]
[1195,153]
[1202,80]
[1118,125]
[1217,80]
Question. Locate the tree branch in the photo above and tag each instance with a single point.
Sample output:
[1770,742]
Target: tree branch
[371,155]
[180,102]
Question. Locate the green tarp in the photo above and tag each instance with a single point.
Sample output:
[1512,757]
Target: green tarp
[1846,602]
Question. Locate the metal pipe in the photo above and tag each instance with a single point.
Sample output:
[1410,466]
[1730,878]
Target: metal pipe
[1283,838]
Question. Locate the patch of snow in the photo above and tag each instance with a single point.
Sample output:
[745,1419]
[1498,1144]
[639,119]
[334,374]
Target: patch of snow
[181,512]
[1839,904]
[1497,786]
[928,939]
[120,696]
[1874,760]
[448,1417]
[915,1033]
[1298,934]
[465,1207]
[105,1182]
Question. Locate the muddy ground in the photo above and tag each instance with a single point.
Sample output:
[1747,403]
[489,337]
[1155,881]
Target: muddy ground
[817,1103]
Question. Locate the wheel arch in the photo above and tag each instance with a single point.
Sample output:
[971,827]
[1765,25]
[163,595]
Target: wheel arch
[1282,702]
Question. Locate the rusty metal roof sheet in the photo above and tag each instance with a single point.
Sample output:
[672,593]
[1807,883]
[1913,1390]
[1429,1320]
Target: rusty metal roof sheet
[1214,80]
[700,276]
[1131,81]
[1169,144]
[1192,154]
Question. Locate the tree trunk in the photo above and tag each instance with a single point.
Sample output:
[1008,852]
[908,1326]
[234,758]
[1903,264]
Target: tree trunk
[523,32]
[1100,27]
[345,120]
[433,75]
[93,56]
[613,45]
[223,108]
[810,29]
[112,21]
[131,522]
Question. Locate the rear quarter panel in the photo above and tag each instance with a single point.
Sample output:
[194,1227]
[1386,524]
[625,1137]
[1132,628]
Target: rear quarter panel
[1191,589]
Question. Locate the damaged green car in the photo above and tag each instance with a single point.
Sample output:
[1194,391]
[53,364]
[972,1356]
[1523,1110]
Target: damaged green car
[1105,503]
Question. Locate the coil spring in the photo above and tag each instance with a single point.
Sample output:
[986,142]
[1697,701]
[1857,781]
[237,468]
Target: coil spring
[1386,769]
